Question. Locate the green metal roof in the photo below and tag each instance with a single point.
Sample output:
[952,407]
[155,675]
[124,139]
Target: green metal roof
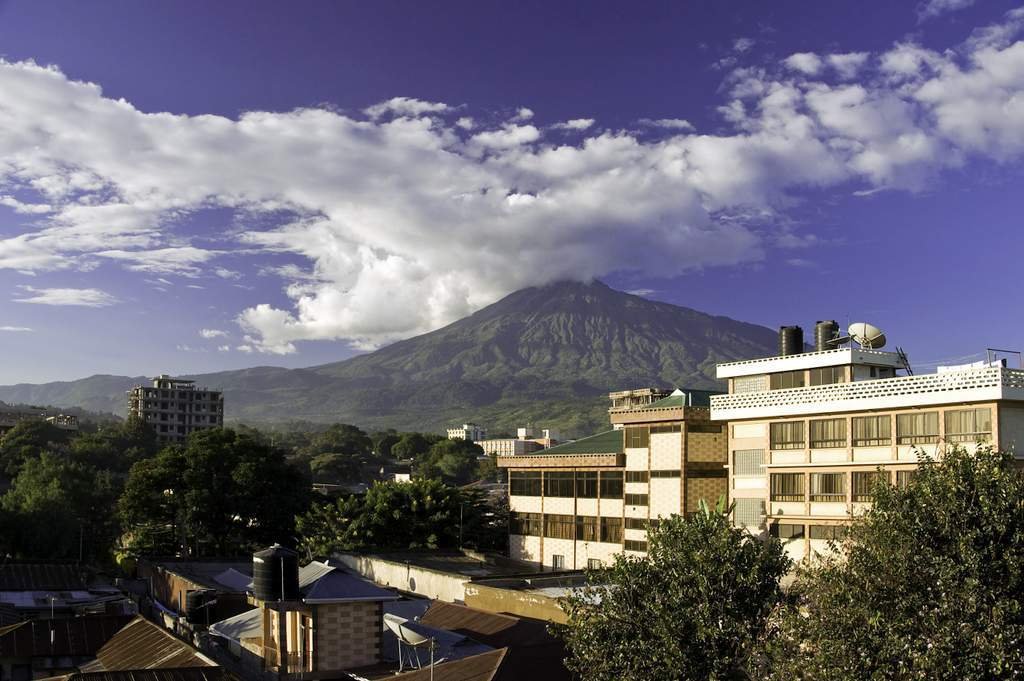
[608,442]
[685,398]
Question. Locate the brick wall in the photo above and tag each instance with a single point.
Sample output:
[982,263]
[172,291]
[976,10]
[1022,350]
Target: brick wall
[347,635]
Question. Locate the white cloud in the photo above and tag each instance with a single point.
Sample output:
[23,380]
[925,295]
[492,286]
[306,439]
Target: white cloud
[574,124]
[807,63]
[24,208]
[642,292]
[213,333]
[466,123]
[933,8]
[15,329]
[523,114]
[667,123]
[401,222]
[742,45]
[223,348]
[83,297]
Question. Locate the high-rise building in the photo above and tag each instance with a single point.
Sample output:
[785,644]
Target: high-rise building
[175,407]
[578,504]
[809,432]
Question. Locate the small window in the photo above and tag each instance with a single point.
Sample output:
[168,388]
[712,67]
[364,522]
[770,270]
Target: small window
[611,530]
[829,532]
[636,499]
[557,562]
[586,484]
[969,425]
[787,531]
[666,474]
[828,487]
[524,483]
[636,523]
[704,428]
[828,433]
[827,375]
[788,435]
[872,431]
[635,545]
[904,478]
[611,484]
[863,486]
[527,524]
[559,484]
[787,487]
[748,512]
[594,564]
[748,462]
[917,429]
[636,476]
[675,428]
[587,528]
[787,379]
[557,526]
[637,437]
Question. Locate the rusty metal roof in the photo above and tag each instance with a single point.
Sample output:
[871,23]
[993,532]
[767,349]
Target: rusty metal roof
[180,674]
[41,577]
[74,636]
[482,667]
[144,645]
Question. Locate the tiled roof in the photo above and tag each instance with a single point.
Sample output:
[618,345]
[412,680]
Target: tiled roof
[482,667]
[144,645]
[41,577]
[608,442]
[73,636]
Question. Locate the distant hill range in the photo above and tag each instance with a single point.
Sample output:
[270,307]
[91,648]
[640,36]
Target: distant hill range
[546,355]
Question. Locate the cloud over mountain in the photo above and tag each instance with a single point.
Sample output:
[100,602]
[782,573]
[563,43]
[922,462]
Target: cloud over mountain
[412,213]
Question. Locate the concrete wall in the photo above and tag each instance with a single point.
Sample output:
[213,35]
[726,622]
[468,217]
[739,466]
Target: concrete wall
[515,602]
[442,586]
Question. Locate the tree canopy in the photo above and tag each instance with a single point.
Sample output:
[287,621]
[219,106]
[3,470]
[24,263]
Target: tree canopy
[454,461]
[694,609]
[929,583]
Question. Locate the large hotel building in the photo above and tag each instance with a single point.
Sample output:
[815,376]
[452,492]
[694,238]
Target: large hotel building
[801,436]
[578,504]
[175,407]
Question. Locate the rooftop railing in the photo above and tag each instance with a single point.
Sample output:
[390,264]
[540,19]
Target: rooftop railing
[814,353]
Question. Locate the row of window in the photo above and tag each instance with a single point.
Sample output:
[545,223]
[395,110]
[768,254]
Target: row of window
[790,531]
[558,526]
[640,436]
[832,486]
[963,425]
[644,476]
[581,484]
[635,545]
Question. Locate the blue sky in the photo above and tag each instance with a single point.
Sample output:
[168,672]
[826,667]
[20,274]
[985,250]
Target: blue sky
[191,186]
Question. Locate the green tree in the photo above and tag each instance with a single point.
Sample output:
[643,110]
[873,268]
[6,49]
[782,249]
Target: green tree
[222,493]
[338,453]
[60,509]
[929,583]
[693,609]
[402,515]
[383,442]
[413,445]
[28,440]
[116,447]
[456,462]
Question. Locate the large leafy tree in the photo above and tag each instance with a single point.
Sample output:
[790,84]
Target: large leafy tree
[929,584]
[454,461]
[221,493]
[338,453]
[693,609]
[28,440]
[116,447]
[413,445]
[422,514]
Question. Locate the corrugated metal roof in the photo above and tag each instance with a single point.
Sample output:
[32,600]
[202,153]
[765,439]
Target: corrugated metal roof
[179,674]
[73,636]
[41,576]
[483,667]
[608,442]
[144,645]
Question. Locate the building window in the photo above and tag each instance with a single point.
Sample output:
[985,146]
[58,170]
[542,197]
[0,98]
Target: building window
[829,532]
[587,528]
[636,476]
[675,428]
[787,531]
[872,431]
[559,484]
[557,561]
[527,524]
[594,563]
[828,433]
[665,474]
[748,462]
[917,429]
[611,530]
[636,500]
[863,485]
[611,484]
[637,437]
[969,425]
[749,512]
[904,478]
[750,384]
[636,523]
[586,484]
[787,487]
[524,483]
[635,545]
[787,379]
[788,435]
[703,428]
[827,375]
[828,486]
[558,526]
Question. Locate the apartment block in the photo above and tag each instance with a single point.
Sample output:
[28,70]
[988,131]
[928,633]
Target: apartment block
[578,504]
[176,408]
[467,431]
[809,432]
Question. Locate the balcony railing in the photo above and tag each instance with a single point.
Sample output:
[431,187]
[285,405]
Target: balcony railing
[976,384]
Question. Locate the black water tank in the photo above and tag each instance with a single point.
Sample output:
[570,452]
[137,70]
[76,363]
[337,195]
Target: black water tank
[196,608]
[824,333]
[791,340]
[275,574]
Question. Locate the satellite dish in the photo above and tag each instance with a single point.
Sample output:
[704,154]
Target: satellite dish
[405,634]
[867,335]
